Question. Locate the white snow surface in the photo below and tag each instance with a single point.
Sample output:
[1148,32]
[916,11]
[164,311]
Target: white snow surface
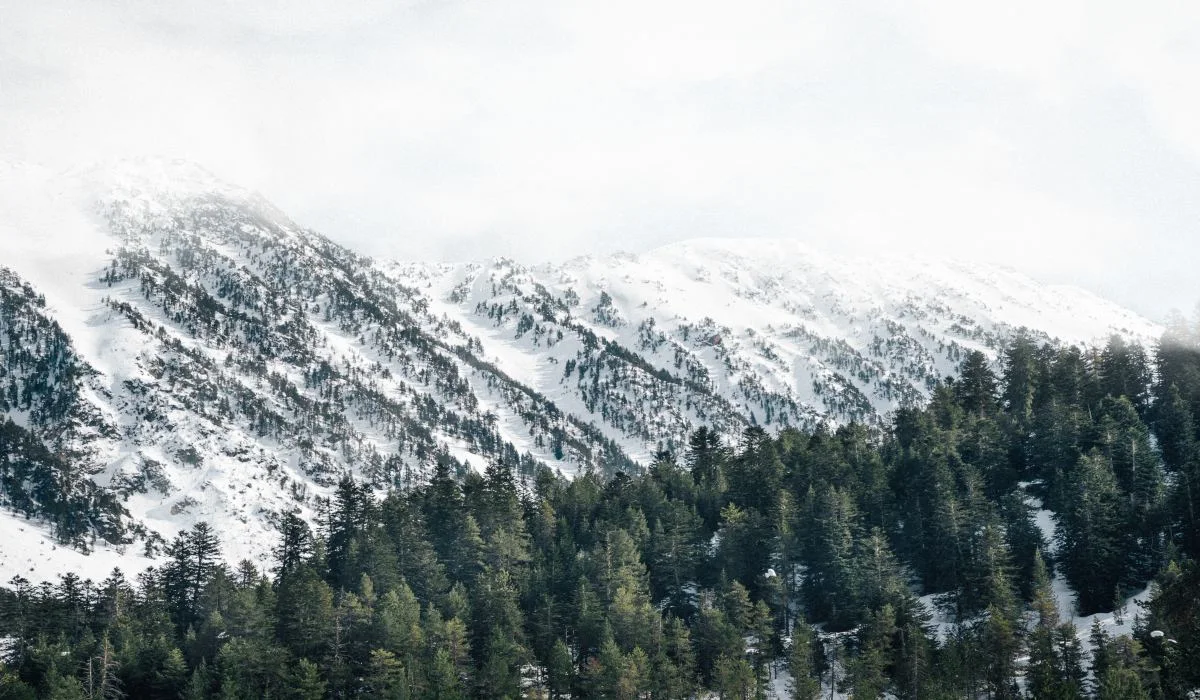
[778,332]
[28,550]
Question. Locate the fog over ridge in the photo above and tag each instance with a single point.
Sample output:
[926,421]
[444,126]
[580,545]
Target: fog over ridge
[1056,138]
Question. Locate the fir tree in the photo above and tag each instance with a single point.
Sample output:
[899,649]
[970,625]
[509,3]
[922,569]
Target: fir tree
[804,685]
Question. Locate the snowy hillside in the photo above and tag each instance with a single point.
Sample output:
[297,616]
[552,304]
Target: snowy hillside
[175,349]
[725,331]
[197,356]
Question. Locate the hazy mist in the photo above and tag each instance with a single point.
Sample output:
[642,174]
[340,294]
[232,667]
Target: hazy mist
[1061,138]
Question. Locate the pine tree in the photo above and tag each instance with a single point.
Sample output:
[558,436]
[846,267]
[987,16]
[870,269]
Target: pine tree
[304,610]
[1175,613]
[1125,441]
[171,677]
[880,580]
[1053,672]
[1022,370]
[1093,543]
[502,520]
[673,668]
[676,553]
[199,683]
[296,543]
[194,556]
[443,682]
[63,687]
[743,552]
[998,643]
[1175,428]
[444,508]
[829,587]
[622,676]
[387,678]
[560,670]
[706,459]
[804,685]
[500,668]
[734,679]
[13,688]
[1121,684]
[755,475]
[1124,371]
[714,637]
[868,670]
[416,560]
[306,682]
[976,387]
[345,529]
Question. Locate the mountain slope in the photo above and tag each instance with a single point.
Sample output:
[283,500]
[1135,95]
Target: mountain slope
[727,331]
[230,366]
[175,349]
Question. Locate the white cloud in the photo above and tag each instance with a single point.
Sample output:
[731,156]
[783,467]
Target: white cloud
[1059,137]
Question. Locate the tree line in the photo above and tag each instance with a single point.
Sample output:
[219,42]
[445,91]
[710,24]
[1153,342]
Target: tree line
[802,563]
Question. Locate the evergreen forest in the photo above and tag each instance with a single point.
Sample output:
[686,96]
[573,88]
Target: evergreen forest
[921,561]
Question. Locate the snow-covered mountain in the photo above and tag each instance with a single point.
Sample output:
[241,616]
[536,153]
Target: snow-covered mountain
[174,349]
[728,331]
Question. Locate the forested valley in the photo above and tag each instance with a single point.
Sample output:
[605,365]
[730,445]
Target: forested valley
[850,562]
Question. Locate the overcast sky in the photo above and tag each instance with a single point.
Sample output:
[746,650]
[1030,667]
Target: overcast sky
[1059,137]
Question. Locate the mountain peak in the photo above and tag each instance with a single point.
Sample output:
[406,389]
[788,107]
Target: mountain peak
[745,247]
[228,368]
[150,177]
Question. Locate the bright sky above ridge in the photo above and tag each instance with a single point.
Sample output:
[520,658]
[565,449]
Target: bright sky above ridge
[1058,137]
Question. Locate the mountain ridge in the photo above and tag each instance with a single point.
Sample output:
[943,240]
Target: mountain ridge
[230,365]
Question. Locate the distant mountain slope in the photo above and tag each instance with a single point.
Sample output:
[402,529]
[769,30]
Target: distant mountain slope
[727,331]
[174,349]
